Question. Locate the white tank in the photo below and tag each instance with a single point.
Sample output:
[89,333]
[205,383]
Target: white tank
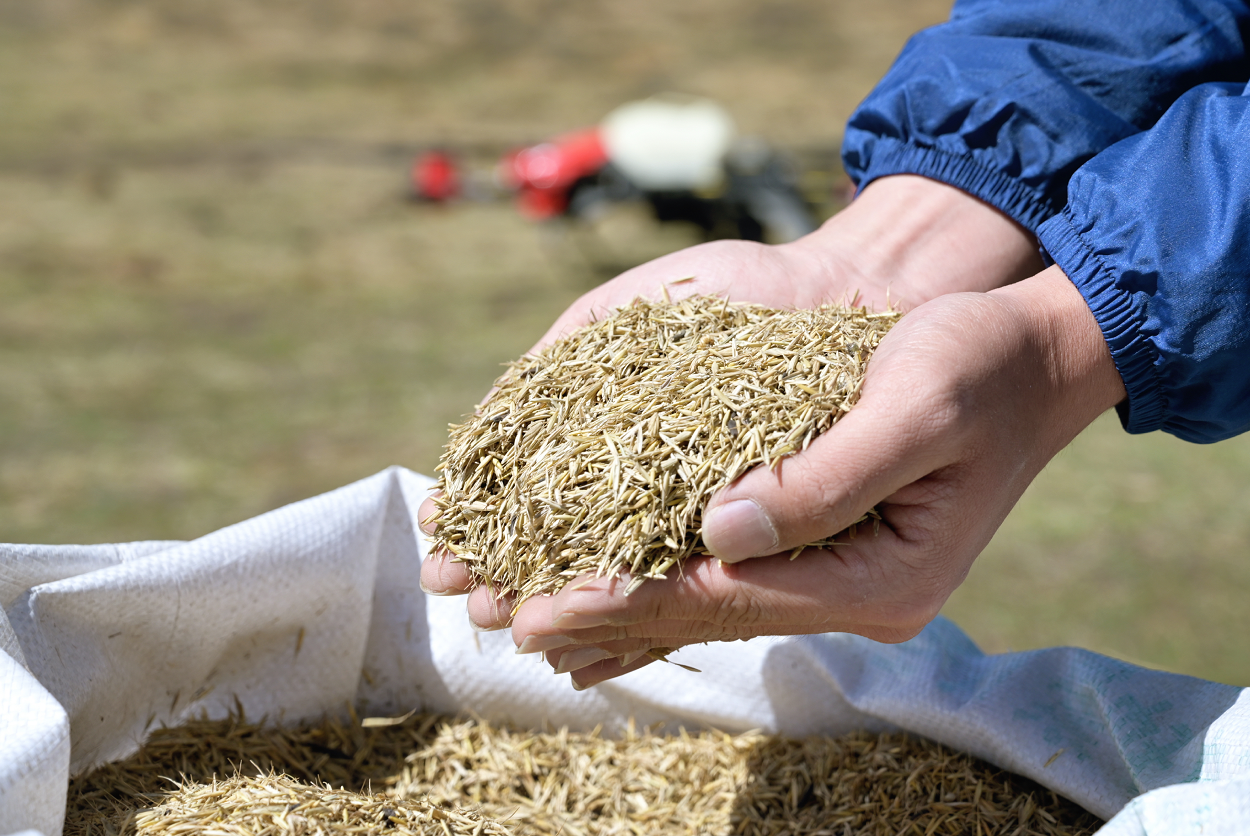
[669,142]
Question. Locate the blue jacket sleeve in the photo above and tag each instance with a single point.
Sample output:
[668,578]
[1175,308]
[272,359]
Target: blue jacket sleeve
[1007,99]
[1156,236]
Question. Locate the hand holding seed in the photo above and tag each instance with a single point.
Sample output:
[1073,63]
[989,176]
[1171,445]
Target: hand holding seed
[904,240]
[599,453]
[965,401]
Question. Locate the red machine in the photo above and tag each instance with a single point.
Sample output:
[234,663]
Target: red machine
[435,177]
[677,154]
[543,176]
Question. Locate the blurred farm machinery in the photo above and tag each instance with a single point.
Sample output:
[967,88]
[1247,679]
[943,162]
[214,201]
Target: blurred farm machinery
[677,160]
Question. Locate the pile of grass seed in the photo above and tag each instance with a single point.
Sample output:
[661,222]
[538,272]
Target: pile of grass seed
[599,453]
[274,803]
[438,775]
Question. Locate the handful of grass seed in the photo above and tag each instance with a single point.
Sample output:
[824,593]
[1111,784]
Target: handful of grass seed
[598,454]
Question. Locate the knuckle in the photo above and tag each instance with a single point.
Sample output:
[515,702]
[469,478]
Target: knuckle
[654,606]
[738,607]
[714,597]
[738,633]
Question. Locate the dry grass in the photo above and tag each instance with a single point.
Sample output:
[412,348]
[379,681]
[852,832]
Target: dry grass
[598,454]
[470,777]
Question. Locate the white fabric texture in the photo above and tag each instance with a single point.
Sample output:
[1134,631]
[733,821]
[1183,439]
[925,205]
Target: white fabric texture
[315,606]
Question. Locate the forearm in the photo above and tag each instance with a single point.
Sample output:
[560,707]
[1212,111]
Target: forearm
[1075,363]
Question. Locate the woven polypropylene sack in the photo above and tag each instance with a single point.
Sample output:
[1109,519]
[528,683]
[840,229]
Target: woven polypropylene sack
[315,606]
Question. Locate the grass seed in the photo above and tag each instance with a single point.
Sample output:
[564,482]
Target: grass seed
[440,775]
[597,455]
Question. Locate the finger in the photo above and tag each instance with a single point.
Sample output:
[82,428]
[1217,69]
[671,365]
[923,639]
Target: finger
[873,588]
[441,574]
[488,610]
[571,659]
[605,670]
[673,632]
[892,438]
[577,656]
[426,514]
[665,633]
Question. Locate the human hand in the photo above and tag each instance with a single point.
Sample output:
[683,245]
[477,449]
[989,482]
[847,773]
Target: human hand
[903,241]
[964,402]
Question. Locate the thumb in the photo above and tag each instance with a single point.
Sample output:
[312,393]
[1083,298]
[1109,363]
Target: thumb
[882,445]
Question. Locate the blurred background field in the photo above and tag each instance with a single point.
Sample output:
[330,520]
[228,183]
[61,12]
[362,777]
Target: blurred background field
[214,299]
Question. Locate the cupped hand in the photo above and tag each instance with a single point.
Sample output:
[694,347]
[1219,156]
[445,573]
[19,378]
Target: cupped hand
[964,402]
[778,276]
[903,241]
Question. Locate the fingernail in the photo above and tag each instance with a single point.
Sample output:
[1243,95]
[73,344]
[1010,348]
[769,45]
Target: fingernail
[738,530]
[578,621]
[629,658]
[583,657]
[577,687]
[541,644]
[444,594]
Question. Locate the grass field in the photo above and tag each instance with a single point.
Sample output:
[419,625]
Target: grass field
[214,300]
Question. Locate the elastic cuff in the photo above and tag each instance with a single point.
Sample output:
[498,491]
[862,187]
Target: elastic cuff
[1121,315]
[1023,205]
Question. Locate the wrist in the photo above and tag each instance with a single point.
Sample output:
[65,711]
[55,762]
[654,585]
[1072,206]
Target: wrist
[1082,374]
[912,239]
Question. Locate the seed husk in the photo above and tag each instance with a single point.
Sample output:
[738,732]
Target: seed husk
[440,775]
[598,454]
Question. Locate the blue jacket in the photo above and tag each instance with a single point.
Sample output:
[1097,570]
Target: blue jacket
[1119,132]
